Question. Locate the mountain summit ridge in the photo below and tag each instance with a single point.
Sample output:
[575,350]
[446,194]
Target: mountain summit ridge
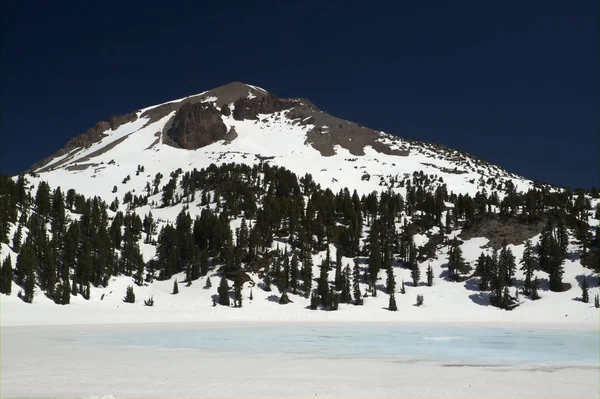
[247,120]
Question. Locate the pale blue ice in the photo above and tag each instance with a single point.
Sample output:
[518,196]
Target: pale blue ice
[456,345]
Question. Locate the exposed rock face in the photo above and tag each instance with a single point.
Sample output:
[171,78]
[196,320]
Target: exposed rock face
[249,108]
[197,125]
[89,137]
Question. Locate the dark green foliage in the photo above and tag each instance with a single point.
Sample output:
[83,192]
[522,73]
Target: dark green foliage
[223,291]
[175,288]
[356,284]
[419,300]
[208,283]
[456,262]
[585,295]
[129,295]
[528,267]
[429,276]
[6,276]
[29,287]
[284,299]
[534,289]
[415,274]
[392,304]
[149,301]
[314,300]
[390,281]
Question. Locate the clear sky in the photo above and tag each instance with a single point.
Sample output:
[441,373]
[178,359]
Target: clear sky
[512,82]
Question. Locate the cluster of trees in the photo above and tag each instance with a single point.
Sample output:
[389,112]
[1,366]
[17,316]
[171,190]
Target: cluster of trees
[67,243]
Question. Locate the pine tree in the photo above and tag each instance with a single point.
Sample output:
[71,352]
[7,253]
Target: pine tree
[338,268]
[237,287]
[175,288]
[129,295]
[208,283]
[16,242]
[204,262]
[419,300]
[284,300]
[429,276]
[314,300]
[505,298]
[528,266]
[294,274]
[6,276]
[65,296]
[356,284]
[506,262]
[223,292]
[390,281]
[29,287]
[323,284]
[585,296]
[392,305]
[534,287]
[597,301]
[415,273]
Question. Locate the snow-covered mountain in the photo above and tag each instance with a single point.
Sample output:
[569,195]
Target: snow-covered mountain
[244,124]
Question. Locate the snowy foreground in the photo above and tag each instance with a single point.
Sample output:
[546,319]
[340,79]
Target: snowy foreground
[62,362]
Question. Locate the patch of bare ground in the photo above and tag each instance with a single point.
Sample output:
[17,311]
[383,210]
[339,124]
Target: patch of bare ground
[497,230]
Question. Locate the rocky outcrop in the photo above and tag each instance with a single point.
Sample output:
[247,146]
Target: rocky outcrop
[249,108]
[86,139]
[195,126]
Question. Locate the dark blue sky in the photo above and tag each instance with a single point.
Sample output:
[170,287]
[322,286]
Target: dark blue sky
[512,82]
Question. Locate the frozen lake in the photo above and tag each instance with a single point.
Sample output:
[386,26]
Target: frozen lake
[298,360]
[444,343]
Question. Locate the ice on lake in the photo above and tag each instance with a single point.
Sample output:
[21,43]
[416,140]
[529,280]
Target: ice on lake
[298,360]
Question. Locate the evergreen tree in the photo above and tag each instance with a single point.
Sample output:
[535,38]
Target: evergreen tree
[208,283]
[482,271]
[429,276]
[6,276]
[338,268]
[585,296]
[415,273]
[392,305]
[223,292]
[175,288]
[16,242]
[506,262]
[391,281]
[314,300]
[345,294]
[29,287]
[237,287]
[356,284]
[284,300]
[534,289]
[149,301]
[597,301]
[528,266]
[323,284]
[456,262]
[419,300]
[204,262]
[294,273]
[129,295]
